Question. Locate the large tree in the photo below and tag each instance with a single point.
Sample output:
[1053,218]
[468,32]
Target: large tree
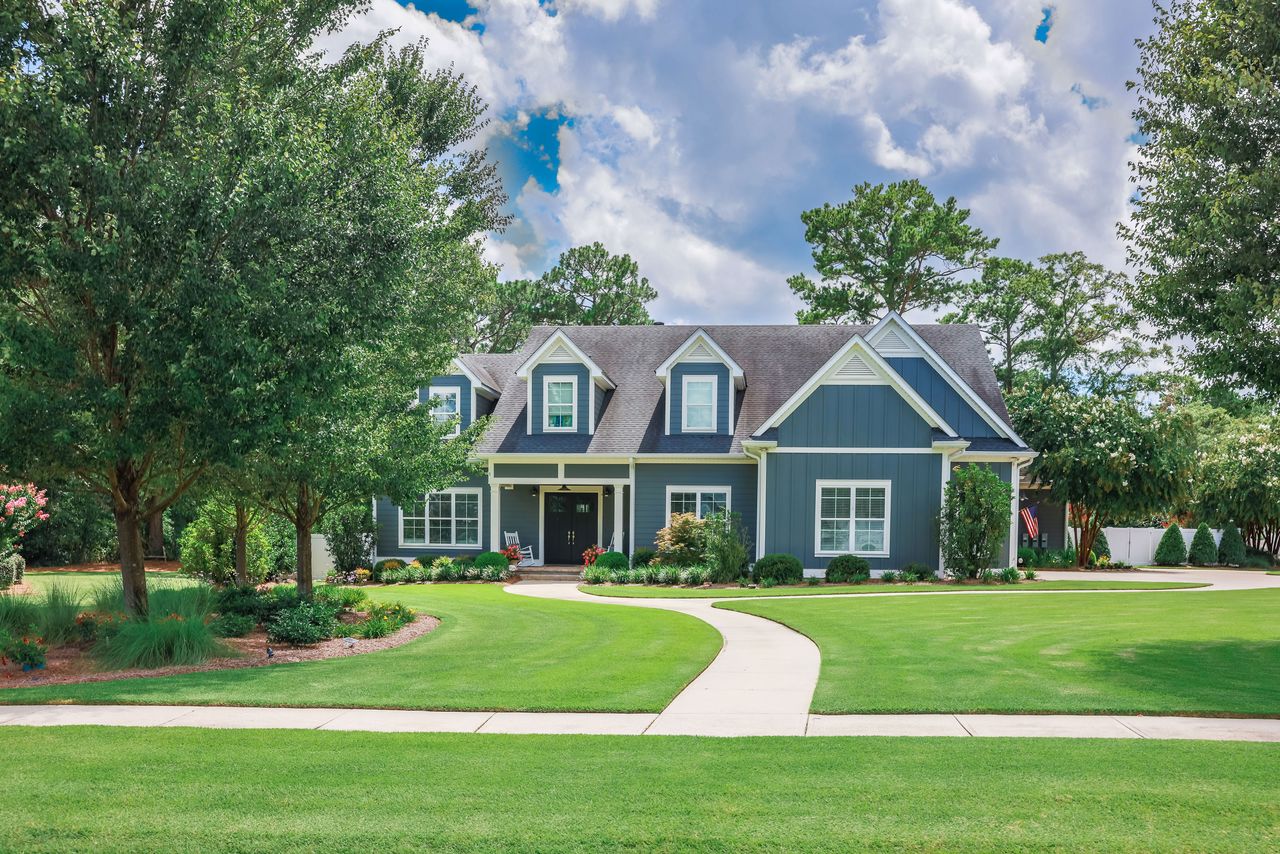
[197,215]
[1000,303]
[587,286]
[1104,456]
[1206,222]
[1238,479]
[890,247]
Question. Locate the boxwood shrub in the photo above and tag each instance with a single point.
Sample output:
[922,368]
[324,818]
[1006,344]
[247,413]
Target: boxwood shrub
[847,569]
[614,560]
[494,559]
[303,624]
[643,556]
[782,568]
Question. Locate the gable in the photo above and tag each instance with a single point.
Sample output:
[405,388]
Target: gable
[855,416]
[942,396]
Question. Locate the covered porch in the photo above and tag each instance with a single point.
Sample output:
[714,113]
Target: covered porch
[560,510]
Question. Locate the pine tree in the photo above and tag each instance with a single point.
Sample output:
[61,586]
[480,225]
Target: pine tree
[1204,551]
[1231,549]
[1172,550]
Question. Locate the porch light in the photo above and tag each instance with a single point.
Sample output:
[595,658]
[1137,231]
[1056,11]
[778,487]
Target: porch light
[564,487]
[533,492]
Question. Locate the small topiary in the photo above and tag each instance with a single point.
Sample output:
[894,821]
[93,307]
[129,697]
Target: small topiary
[613,560]
[1101,547]
[303,624]
[1172,550]
[643,556]
[1231,549]
[1204,551]
[847,569]
[782,568]
[495,559]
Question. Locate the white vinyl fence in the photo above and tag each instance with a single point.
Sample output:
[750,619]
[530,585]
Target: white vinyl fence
[321,558]
[1137,546]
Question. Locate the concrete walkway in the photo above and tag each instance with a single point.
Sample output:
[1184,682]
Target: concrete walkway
[558,723]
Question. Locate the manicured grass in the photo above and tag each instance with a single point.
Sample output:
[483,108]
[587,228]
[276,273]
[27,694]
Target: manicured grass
[1206,652]
[637,591]
[104,789]
[493,650]
[85,582]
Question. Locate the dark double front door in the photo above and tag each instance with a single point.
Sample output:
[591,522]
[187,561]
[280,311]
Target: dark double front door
[570,525]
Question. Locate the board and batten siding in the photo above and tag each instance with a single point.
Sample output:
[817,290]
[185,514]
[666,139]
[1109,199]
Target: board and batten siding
[582,412]
[458,381]
[1005,472]
[854,416]
[675,386]
[941,396]
[915,497]
[388,527]
[652,480]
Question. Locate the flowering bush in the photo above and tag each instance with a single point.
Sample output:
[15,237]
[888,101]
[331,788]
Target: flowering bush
[592,554]
[512,553]
[21,509]
[28,652]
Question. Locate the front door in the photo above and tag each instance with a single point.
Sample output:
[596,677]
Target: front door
[571,522]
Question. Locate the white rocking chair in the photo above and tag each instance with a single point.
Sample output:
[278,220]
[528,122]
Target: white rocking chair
[512,538]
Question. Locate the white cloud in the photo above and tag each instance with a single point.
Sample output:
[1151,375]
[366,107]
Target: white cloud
[610,10]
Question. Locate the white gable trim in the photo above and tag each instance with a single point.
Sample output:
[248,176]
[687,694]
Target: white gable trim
[700,337]
[478,385]
[557,340]
[894,321]
[882,374]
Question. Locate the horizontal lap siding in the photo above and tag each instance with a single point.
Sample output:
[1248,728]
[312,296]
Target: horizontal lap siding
[942,397]
[791,493]
[547,470]
[854,416]
[604,471]
[388,524]
[520,514]
[652,480]
[583,410]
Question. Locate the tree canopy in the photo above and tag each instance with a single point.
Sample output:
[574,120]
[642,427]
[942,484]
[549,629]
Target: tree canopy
[1105,456]
[587,286]
[1205,231]
[890,247]
[198,215]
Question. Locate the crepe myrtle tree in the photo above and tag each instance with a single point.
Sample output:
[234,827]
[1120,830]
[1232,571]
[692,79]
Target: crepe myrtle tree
[974,520]
[197,215]
[1108,458]
[1237,481]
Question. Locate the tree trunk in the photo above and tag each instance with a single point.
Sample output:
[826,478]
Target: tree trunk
[155,533]
[241,545]
[132,563]
[303,523]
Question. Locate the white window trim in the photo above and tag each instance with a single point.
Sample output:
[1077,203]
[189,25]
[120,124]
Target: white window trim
[426,521]
[853,486]
[728,498]
[684,402]
[441,390]
[546,412]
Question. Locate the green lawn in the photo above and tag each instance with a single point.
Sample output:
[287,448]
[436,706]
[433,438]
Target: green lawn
[84,582]
[494,650]
[638,591]
[107,789]
[1206,652]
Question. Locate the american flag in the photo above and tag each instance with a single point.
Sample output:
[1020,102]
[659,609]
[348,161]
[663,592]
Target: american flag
[1029,520]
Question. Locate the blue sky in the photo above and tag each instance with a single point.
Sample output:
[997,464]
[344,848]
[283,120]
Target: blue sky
[692,134]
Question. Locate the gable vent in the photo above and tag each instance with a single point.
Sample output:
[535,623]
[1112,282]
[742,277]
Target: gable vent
[854,368]
[560,353]
[893,343]
[700,352]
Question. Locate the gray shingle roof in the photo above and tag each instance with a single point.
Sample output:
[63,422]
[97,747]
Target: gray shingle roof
[777,360]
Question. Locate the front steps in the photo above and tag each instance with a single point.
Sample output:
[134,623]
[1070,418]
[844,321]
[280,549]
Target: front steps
[549,573]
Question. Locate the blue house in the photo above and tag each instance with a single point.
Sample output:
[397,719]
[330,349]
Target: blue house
[827,440]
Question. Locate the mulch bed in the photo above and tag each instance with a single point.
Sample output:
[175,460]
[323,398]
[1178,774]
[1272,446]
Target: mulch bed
[72,663]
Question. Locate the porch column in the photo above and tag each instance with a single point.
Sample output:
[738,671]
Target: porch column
[1015,478]
[495,518]
[618,533]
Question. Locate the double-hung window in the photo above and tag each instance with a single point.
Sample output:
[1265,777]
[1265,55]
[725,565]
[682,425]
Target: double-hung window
[698,394]
[701,501]
[445,406]
[560,402]
[450,518]
[853,517]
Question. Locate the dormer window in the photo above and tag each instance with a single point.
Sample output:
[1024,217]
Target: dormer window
[445,402]
[699,403]
[560,396]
